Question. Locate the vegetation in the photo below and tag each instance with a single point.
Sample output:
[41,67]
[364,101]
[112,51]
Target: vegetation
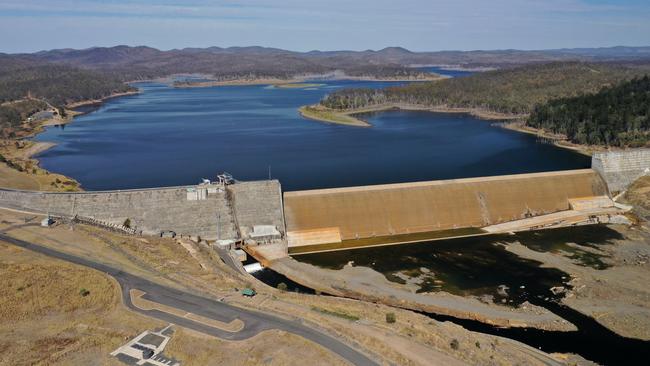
[455,345]
[510,91]
[615,116]
[390,318]
[339,314]
[282,286]
[27,87]
[327,115]
[13,114]
[57,84]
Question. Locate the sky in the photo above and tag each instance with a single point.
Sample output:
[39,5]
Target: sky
[303,25]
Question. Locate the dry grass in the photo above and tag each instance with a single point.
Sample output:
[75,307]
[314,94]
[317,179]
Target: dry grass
[30,176]
[638,195]
[44,318]
[267,348]
[97,331]
[318,113]
[33,291]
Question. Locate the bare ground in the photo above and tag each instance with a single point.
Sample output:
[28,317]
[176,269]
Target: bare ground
[617,297]
[366,284]
[412,340]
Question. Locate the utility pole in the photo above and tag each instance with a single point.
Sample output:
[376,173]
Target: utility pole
[269,172]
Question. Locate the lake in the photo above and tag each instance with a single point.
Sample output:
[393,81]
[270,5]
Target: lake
[167,136]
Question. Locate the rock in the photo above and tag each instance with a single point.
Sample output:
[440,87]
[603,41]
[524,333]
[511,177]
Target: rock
[620,219]
[503,290]
[556,290]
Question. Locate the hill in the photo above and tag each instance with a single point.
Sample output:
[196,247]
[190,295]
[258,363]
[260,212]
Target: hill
[615,116]
[28,86]
[133,63]
[512,91]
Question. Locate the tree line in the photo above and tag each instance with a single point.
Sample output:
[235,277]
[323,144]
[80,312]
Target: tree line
[28,87]
[511,91]
[614,116]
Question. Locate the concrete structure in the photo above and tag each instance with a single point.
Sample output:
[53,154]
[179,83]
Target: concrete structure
[331,215]
[257,204]
[146,349]
[621,168]
[203,210]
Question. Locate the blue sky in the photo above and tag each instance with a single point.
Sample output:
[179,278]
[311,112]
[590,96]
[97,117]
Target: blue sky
[302,25]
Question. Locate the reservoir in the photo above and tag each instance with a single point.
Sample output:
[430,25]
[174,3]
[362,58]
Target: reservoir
[168,136]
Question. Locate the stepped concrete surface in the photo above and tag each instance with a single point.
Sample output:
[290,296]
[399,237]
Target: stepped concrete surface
[257,203]
[203,210]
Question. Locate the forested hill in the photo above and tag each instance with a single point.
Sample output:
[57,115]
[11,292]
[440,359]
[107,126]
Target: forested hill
[28,86]
[58,84]
[510,91]
[616,116]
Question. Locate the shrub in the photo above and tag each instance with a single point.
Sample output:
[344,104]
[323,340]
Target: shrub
[390,318]
[282,286]
[454,344]
[83,292]
[127,223]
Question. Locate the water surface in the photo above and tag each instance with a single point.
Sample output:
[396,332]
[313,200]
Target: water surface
[166,136]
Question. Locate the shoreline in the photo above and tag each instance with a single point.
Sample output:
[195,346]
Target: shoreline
[509,121]
[22,170]
[73,105]
[478,113]
[558,140]
[311,78]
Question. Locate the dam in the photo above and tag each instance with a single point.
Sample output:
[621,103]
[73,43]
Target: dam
[342,218]
[272,224]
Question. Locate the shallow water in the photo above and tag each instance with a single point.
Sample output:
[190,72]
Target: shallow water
[479,266]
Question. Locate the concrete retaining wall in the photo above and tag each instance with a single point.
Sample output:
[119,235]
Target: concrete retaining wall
[180,209]
[621,168]
[392,209]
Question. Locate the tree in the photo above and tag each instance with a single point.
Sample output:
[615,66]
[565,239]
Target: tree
[390,318]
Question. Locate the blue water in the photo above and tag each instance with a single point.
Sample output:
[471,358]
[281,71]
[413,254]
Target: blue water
[166,136]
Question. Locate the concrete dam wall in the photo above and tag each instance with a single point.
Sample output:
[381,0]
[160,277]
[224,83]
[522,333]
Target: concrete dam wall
[621,168]
[331,215]
[204,210]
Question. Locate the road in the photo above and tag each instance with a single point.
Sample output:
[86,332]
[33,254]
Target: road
[254,322]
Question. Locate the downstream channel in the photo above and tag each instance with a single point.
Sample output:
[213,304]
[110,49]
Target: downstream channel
[483,268]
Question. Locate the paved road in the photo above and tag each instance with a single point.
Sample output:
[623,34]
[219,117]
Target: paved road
[254,322]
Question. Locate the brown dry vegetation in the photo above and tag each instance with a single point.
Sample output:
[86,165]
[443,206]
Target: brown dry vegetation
[413,339]
[638,195]
[267,348]
[45,319]
[18,170]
